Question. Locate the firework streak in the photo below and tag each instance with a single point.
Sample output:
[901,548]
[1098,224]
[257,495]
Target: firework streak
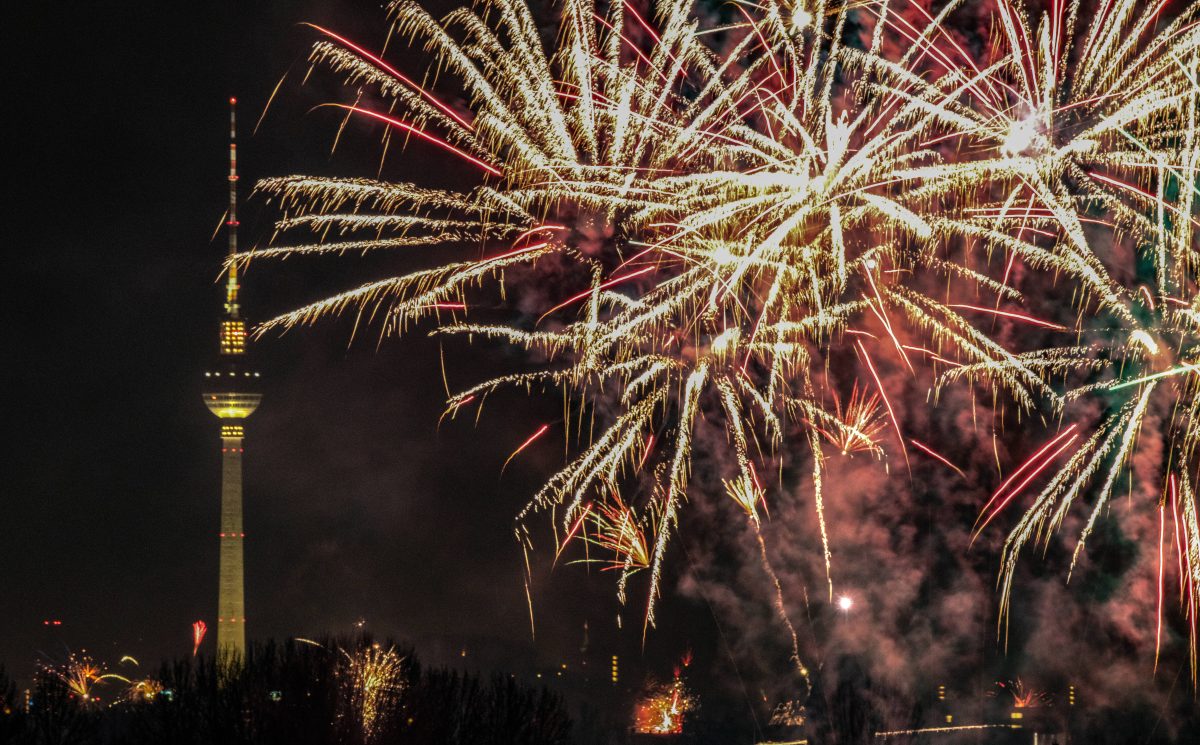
[199,629]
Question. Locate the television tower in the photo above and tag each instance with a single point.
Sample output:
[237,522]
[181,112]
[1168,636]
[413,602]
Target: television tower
[231,392]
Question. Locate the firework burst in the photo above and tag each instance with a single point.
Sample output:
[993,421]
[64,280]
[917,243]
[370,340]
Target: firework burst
[199,629]
[142,691]
[727,218]
[81,675]
[1098,151]
[663,707]
[732,212]
[863,423]
[373,678]
[1022,695]
[617,531]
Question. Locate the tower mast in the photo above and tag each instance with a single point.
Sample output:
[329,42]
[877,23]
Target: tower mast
[231,393]
[231,283]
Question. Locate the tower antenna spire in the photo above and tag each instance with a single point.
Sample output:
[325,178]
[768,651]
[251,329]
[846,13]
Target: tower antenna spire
[231,284]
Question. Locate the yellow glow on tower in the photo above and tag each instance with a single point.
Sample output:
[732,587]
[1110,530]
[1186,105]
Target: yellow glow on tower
[232,405]
[233,336]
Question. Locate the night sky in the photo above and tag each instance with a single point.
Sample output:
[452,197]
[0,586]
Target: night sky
[357,505]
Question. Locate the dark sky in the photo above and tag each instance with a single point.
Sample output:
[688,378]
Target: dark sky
[356,504]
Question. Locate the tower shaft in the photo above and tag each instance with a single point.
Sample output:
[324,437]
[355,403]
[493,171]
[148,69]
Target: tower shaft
[231,599]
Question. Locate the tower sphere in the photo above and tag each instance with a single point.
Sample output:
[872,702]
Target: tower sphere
[231,390]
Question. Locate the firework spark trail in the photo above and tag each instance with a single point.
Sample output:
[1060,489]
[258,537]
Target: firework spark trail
[532,438]
[1029,462]
[781,609]
[943,730]
[748,494]
[1016,490]
[937,456]
[1162,519]
[781,196]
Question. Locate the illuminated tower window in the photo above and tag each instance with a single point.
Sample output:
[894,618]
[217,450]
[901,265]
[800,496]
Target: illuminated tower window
[615,670]
[233,336]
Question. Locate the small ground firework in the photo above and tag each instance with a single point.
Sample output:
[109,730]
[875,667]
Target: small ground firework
[372,681]
[199,629]
[1022,695]
[663,708]
[81,675]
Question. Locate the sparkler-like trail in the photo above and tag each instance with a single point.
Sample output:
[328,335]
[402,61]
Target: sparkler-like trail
[730,228]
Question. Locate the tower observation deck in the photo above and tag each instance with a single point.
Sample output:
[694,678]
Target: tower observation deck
[231,393]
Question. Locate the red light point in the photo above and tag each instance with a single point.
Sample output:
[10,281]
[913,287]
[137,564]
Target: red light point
[232,100]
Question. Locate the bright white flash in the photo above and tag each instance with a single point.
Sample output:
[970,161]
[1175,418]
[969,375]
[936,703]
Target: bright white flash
[1021,136]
